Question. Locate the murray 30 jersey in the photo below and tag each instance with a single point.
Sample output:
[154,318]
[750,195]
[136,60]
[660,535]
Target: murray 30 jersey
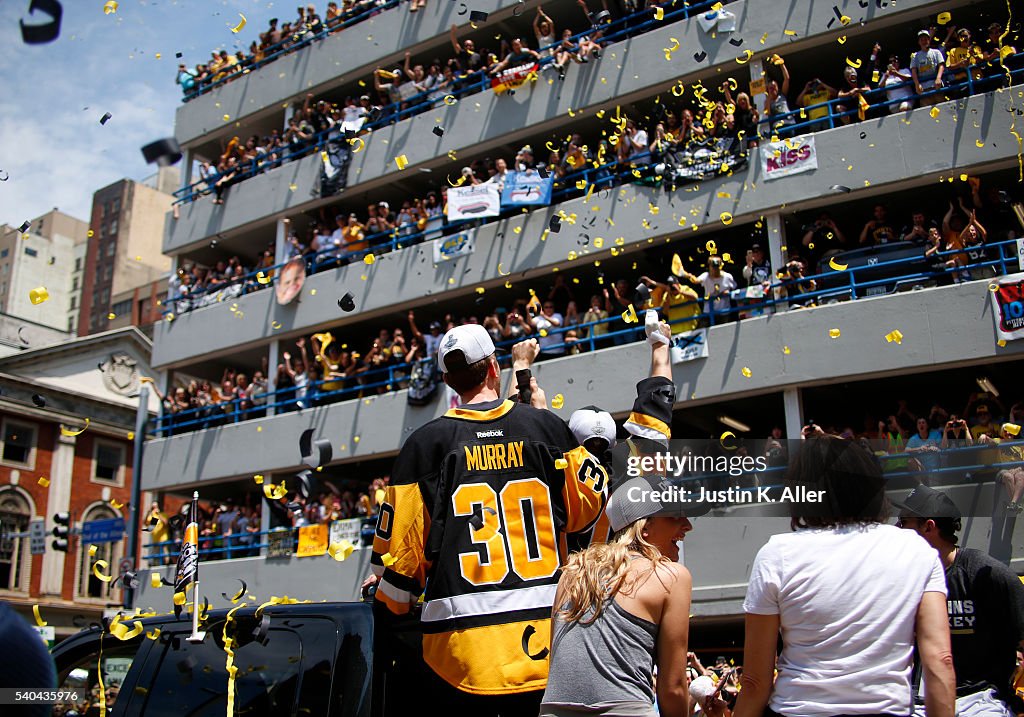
[475,513]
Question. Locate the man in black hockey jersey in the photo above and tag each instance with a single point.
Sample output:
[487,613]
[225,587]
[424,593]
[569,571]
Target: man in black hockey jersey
[475,512]
[986,607]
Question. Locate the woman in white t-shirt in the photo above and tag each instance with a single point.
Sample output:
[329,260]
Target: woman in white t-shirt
[849,594]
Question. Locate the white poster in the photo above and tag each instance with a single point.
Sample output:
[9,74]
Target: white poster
[454,246]
[349,529]
[473,202]
[781,159]
[689,345]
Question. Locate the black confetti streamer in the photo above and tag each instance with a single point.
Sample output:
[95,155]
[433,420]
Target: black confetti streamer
[700,56]
[105,118]
[42,34]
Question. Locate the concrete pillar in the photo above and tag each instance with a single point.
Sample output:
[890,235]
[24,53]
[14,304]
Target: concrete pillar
[281,241]
[187,160]
[273,357]
[59,500]
[264,518]
[775,228]
[794,410]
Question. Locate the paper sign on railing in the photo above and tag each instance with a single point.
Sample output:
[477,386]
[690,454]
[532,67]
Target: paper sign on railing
[781,159]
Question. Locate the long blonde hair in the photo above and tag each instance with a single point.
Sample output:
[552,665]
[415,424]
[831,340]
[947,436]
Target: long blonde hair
[595,575]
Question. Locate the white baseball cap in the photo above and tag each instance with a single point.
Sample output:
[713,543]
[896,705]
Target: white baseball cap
[471,339]
[592,422]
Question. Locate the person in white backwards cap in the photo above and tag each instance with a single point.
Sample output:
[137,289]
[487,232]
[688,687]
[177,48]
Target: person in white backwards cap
[478,503]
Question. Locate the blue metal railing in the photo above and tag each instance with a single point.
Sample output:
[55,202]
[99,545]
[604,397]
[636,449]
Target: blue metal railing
[464,86]
[947,462]
[995,258]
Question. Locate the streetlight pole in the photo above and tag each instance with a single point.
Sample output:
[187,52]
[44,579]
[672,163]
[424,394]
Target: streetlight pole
[134,509]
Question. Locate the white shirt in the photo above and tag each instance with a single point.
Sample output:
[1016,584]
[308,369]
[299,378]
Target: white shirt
[718,287]
[847,600]
[547,324]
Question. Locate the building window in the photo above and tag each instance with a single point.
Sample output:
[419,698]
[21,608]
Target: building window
[111,248]
[108,463]
[4,253]
[29,251]
[113,226]
[74,284]
[108,271]
[115,207]
[74,302]
[15,559]
[122,308]
[19,443]
[78,264]
[89,586]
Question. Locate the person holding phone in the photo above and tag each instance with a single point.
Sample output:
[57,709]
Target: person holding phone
[955,434]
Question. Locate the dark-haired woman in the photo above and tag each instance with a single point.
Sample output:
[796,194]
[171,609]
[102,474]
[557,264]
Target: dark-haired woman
[850,595]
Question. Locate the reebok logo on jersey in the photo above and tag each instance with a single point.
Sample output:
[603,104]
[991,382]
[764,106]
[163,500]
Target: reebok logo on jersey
[496,433]
[494,456]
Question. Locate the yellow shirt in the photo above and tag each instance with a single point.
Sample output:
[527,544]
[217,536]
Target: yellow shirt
[814,98]
[678,306]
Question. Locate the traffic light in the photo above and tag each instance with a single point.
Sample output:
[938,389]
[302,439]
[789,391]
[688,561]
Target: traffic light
[62,531]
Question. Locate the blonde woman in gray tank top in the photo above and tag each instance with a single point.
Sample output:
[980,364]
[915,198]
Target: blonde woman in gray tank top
[621,609]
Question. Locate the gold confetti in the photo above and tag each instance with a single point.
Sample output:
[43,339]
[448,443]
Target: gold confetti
[97,569]
[746,372]
[110,7]
[943,18]
[154,580]
[369,259]
[154,633]
[629,315]
[833,264]
[402,161]
[341,550]
[764,38]
[726,218]
[747,54]
[275,492]
[659,13]
[43,481]
[677,265]
[711,247]
[963,177]
[115,504]
[38,295]
[179,599]
[354,142]
[119,630]
[558,401]
[786,351]
[241,23]
[934,112]
[894,336]
[834,333]
[388,559]
[111,316]
[842,41]
[791,33]
[258,479]
[452,154]
[227,118]
[721,439]
[70,433]
[450,100]
[1001,343]
[39,618]
[979,143]
[263,278]
[92,551]
[855,64]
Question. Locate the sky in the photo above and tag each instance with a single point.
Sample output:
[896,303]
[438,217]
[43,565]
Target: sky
[53,148]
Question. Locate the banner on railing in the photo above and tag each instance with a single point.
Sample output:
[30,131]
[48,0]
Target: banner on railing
[349,529]
[312,541]
[1008,306]
[454,246]
[280,543]
[334,161]
[782,159]
[473,202]
[703,159]
[689,345]
[514,77]
[526,188]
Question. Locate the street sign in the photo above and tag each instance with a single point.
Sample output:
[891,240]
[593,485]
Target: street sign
[37,537]
[110,530]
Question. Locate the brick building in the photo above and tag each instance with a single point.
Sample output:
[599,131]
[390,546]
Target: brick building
[44,470]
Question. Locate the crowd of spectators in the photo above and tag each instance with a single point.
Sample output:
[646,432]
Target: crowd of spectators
[898,80]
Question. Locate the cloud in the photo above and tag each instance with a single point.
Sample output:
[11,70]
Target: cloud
[56,152]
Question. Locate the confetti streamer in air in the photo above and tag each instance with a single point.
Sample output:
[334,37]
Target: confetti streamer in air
[241,24]
[894,336]
[71,433]
[834,333]
[833,264]
[48,32]
[38,295]
[110,7]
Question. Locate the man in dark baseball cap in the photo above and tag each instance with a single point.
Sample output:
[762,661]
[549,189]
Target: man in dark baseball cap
[985,607]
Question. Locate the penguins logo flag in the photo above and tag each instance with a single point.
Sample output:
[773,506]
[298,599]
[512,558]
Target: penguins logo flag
[188,561]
